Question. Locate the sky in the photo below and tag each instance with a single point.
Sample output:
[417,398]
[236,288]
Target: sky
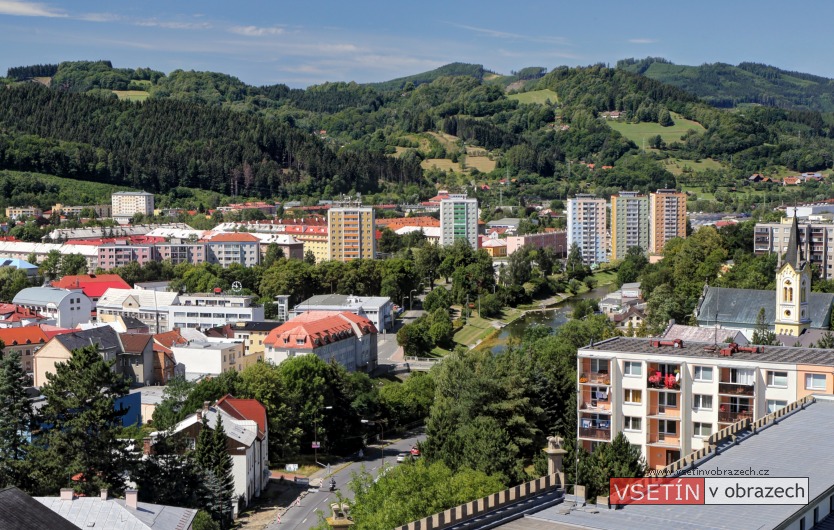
[305,42]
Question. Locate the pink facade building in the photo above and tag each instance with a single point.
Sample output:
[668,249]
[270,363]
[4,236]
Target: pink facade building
[557,241]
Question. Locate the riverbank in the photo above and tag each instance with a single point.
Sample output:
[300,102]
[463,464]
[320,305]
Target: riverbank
[480,333]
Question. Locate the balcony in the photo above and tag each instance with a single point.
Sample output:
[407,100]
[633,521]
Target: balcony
[664,439]
[595,433]
[733,417]
[595,378]
[594,406]
[734,389]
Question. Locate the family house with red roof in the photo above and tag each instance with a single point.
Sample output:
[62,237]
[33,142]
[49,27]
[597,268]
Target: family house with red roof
[92,285]
[342,336]
[15,316]
[26,340]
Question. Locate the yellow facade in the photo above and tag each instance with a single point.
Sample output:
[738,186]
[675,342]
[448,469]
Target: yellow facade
[793,288]
[351,233]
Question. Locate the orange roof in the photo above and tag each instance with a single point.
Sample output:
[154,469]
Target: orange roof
[244,409]
[400,222]
[316,328]
[234,237]
[164,341]
[23,335]
[93,285]
[16,313]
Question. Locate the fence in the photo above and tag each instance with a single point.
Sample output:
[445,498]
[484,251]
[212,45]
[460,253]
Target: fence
[486,504]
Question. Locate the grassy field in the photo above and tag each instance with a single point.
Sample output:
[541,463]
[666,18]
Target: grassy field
[637,132]
[677,166]
[536,96]
[446,140]
[476,329]
[481,163]
[132,95]
[443,164]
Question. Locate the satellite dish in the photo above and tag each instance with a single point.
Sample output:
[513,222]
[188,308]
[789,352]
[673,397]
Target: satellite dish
[237,286]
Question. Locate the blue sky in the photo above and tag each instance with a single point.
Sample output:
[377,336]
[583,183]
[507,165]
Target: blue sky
[304,42]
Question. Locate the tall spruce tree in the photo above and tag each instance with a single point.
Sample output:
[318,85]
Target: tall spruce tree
[81,423]
[212,455]
[15,419]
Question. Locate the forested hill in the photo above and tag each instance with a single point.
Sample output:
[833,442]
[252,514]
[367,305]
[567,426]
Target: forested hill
[725,85]
[453,69]
[161,144]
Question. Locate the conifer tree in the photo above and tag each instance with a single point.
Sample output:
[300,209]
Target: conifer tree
[212,455]
[81,424]
[15,419]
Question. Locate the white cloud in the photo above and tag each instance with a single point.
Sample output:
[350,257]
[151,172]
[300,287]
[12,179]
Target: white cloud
[511,36]
[642,41]
[173,25]
[28,9]
[99,17]
[255,31]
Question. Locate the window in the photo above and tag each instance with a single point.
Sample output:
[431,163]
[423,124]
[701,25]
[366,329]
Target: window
[633,396]
[633,369]
[702,430]
[777,379]
[742,376]
[667,427]
[703,374]
[599,365]
[775,404]
[632,423]
[815,381]
[701,402]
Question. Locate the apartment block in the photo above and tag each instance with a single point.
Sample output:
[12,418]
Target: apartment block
[459,220]
[206,310]
[668,397]
[125,204]
[556,241]
[226,249]
[816,242]
[99,210]
[181,251]
[15,212]
[118,255]
[668,218]
[629,223]
[351,233]
[587,219]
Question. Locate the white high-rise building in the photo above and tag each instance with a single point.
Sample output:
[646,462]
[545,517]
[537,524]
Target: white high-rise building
[125,204]
[587,227]
[459,220]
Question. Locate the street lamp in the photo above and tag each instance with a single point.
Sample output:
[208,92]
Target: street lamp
[411,299]
[316,437]
[381,437]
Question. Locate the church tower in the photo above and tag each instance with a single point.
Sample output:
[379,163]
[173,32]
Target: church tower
[793,288]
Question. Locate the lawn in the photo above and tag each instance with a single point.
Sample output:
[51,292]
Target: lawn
[638,132]
[132,95]
[476,328]
[536,96]
[481,163]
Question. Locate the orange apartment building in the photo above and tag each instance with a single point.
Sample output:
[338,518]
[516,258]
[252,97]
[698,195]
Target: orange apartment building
[351,233]
[667,218]
[668,397]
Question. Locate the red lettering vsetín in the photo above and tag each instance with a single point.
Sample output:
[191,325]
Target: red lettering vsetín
[656,490]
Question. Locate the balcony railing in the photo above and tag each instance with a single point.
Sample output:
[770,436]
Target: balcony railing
[595,433]
[734,389]
[733,417]
[663,438]
[597,378]
[665,382]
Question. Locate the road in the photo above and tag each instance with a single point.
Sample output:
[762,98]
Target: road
[387,342]
[305,516]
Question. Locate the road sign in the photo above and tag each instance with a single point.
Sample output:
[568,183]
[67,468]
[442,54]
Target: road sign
[316,445]
[291,467]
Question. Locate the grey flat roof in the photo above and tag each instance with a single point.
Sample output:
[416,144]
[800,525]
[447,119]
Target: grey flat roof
[342,300]
[799,446]
[771,354]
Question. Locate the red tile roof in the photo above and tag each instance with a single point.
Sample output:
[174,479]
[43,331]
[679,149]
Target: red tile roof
[23,335]
[164,341]
[244,409]
[234,237]
[93,285]
[16,313]
[134,342]
[317,328]
[400,222]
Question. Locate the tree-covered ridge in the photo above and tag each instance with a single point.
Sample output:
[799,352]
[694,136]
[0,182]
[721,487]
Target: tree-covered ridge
[475,71]
[163,144]
[725,85]
[20,73]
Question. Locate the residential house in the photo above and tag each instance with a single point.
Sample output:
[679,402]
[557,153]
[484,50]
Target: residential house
[118,514]
[137,359]
[26,340]
[16,212]
[245,424]
[15,316]
[61,307]
[214,357]
[378,309]
[164,365]
[496,248]
[344,337]
[252,334]
[19,511]
[92,285]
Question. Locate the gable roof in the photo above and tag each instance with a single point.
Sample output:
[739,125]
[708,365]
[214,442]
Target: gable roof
[93,285]
[741,306]
[146,299]
[236,429]
[317,328]
[244,409]
[23,335]
[134,342]
[112,514]
[19,511]
[233,237]
[106,337]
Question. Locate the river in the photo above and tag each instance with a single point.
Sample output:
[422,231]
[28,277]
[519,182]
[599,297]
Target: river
[554,317]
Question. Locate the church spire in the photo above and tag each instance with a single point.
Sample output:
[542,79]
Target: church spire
[793,254]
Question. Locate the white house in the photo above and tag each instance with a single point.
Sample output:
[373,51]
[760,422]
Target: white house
[209,357]
[61,307]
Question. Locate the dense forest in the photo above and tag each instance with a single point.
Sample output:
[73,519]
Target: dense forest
[725,85]
[212,131]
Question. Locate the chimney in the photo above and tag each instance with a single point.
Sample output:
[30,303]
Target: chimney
[199,414]
[132,499]
[206,405]
[146,446]
[66,494]
[104,494]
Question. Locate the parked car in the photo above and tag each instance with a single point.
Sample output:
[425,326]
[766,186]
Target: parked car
[415,451]
[402,457]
